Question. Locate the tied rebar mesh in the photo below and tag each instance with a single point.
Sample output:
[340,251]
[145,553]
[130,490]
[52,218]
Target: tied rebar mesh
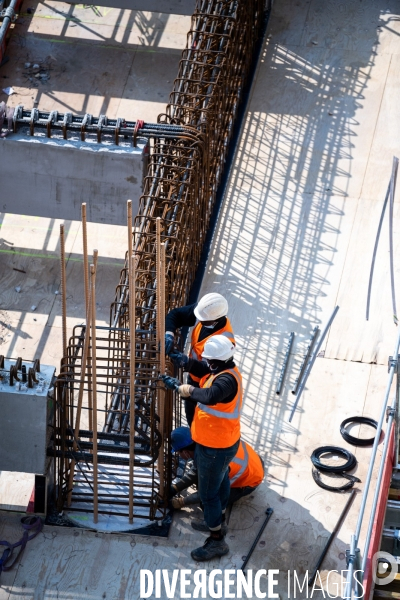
[187,155]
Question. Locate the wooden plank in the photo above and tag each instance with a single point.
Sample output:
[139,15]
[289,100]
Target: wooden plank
[279,266]
[349,26]
[352,337]
[385,144]
[297,141]
[15,490]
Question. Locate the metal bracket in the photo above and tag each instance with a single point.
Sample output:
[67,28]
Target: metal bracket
[350,558]
[392,362]
[390,412]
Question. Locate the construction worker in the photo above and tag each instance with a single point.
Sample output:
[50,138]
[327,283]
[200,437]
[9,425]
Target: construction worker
[246,470]
[209,318]
[216,431]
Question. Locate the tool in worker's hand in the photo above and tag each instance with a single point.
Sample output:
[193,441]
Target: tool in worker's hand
[178,358]
[268,514]
[331,538]
[307,355]
[285,364]
[169,342]
[170,382]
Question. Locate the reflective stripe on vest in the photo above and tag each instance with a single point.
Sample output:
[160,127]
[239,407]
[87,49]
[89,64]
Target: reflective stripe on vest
[220,414]
[242,462]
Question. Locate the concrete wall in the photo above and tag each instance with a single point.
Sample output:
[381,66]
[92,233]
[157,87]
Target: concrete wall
[174,7]
[52,177]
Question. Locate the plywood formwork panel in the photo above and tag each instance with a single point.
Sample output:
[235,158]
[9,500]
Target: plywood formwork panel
[279,263]
[386,142]
[352,337]
[311,121]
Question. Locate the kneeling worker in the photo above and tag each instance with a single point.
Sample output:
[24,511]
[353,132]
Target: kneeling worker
[216,431]
[246,470]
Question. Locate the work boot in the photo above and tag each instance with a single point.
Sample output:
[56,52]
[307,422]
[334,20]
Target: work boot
[210,549]
[202,526]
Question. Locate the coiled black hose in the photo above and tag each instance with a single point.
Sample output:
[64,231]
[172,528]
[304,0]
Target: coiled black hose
[339,470]
[350,439]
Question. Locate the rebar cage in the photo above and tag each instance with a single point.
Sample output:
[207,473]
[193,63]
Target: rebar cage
[188,149]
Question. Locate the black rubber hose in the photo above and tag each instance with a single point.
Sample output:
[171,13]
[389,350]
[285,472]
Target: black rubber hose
[347,466]
[339,471]
[343,488]
[350,439]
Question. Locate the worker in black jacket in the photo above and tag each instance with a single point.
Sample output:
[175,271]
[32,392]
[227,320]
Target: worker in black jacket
[216,431]
[208,318]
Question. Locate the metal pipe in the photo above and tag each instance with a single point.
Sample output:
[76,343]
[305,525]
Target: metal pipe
[378,233]
[94,380]
[332,537]
[268,514]
[63,292]
[392,370]
[285,363]
[393,180]
[312,360]
[303,365]
[378,483]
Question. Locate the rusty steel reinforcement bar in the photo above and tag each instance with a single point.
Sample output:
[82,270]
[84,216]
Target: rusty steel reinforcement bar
[285,364]
[307,355]
[187,152]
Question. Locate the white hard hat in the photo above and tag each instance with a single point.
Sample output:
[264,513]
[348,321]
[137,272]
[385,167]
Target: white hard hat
[218,347]
[210,307]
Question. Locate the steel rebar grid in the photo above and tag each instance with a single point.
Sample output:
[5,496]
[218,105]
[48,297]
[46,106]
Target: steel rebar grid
[187,153]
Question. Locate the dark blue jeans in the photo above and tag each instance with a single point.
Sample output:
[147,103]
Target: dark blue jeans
[213,480]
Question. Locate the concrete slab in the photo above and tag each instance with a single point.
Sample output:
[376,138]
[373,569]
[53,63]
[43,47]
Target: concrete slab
[103,175]
[177,7]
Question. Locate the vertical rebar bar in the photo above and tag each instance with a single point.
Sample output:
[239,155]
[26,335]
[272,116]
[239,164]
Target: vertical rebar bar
[63,292]
[132,329]
[87,305]
[85,352]
[94,396]
[160,325]
[393,180]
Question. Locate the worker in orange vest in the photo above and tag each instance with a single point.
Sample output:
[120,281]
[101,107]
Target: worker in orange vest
[246,470]
[216,431]
[209,317]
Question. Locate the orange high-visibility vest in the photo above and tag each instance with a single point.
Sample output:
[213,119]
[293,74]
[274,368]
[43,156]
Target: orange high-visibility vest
[246,468]
[218,426]
[196,349]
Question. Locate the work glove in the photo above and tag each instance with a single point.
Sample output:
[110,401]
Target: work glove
[184,390]
[169,342]
[178,503]
[179,359]
[170,382]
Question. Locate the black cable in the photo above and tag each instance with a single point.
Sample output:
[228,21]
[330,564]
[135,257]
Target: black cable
[350,439]
[348,466]
[343,488]
[339,471]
